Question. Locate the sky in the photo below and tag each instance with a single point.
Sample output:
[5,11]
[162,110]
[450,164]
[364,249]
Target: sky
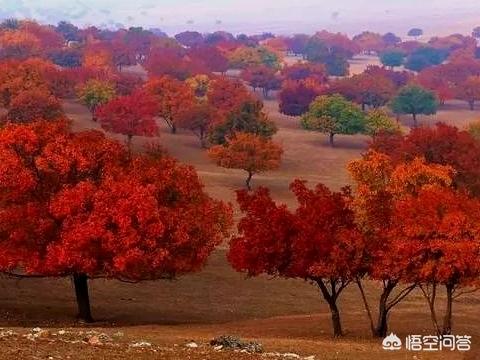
[256,16]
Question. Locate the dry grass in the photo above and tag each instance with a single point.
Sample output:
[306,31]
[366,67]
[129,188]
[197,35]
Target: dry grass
[285,315]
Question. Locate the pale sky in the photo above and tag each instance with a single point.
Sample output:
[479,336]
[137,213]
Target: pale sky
[255,16]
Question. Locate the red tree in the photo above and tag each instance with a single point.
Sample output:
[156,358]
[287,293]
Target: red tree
[440,228]
[172,96]
[199,118]
[263,77]
[227,95]
[442,144]
[210,57]
[433,78]
[318,242]
[302,71]
[469,90]
[295,96]
[76,204]
[33,105]
[130,115]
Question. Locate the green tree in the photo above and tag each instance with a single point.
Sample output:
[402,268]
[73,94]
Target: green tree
[247,118]
[474,130]
[392,58]
[414,100]
[377,121]
[95,93]
[333,114]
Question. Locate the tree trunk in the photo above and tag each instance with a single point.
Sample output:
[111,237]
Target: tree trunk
[247,182]
[447,320]
[471,103]
[414,120]
[129,143]
[81,292]
[332,144]
[336,323]
[331,299]
[382,321]
[363,106]
[203,142]
[367,307]
[174,128]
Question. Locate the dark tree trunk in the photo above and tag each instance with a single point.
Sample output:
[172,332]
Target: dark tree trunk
[331,299]
[363,106]
[81,292]
[414,120]
[336,323]
[174,128]
[382,321]
[447,320]
[367,306]
[129,142]
[332,144]
[472,105]
[203,142]
[249,179]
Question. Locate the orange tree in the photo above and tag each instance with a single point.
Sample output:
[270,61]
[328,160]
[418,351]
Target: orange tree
[380,184]
[77,204]
[317,242]
[248,152]
[441,232]
[172,96]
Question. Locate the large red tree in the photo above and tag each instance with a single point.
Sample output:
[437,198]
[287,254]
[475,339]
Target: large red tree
[130,115]
[318,242]
[76,204]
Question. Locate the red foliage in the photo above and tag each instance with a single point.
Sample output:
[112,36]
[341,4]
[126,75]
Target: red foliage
[295,96]
[433,78]
[172,62]
[365,89]
[319,241]
[226,94]
[32,105]
[210,57]
[77,203]
[130,115]
[263,77]
[442,144]
[171,96]
[302,71]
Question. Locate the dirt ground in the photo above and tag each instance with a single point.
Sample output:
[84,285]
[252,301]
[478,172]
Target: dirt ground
[286,316]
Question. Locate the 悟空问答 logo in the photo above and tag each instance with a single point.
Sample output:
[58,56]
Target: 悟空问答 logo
[392,342]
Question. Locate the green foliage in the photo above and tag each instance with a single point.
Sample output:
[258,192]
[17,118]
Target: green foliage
[415,32]
[95,92]
[414,100]
[425,57]
[377,121]
[336,63]
[245,57]
[333,114]
[392,57]
[248,118]
[474,130]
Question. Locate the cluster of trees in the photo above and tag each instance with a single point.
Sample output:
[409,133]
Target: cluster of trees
[410,222]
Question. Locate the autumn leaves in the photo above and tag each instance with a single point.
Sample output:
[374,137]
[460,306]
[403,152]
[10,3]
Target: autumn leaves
[411,221]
